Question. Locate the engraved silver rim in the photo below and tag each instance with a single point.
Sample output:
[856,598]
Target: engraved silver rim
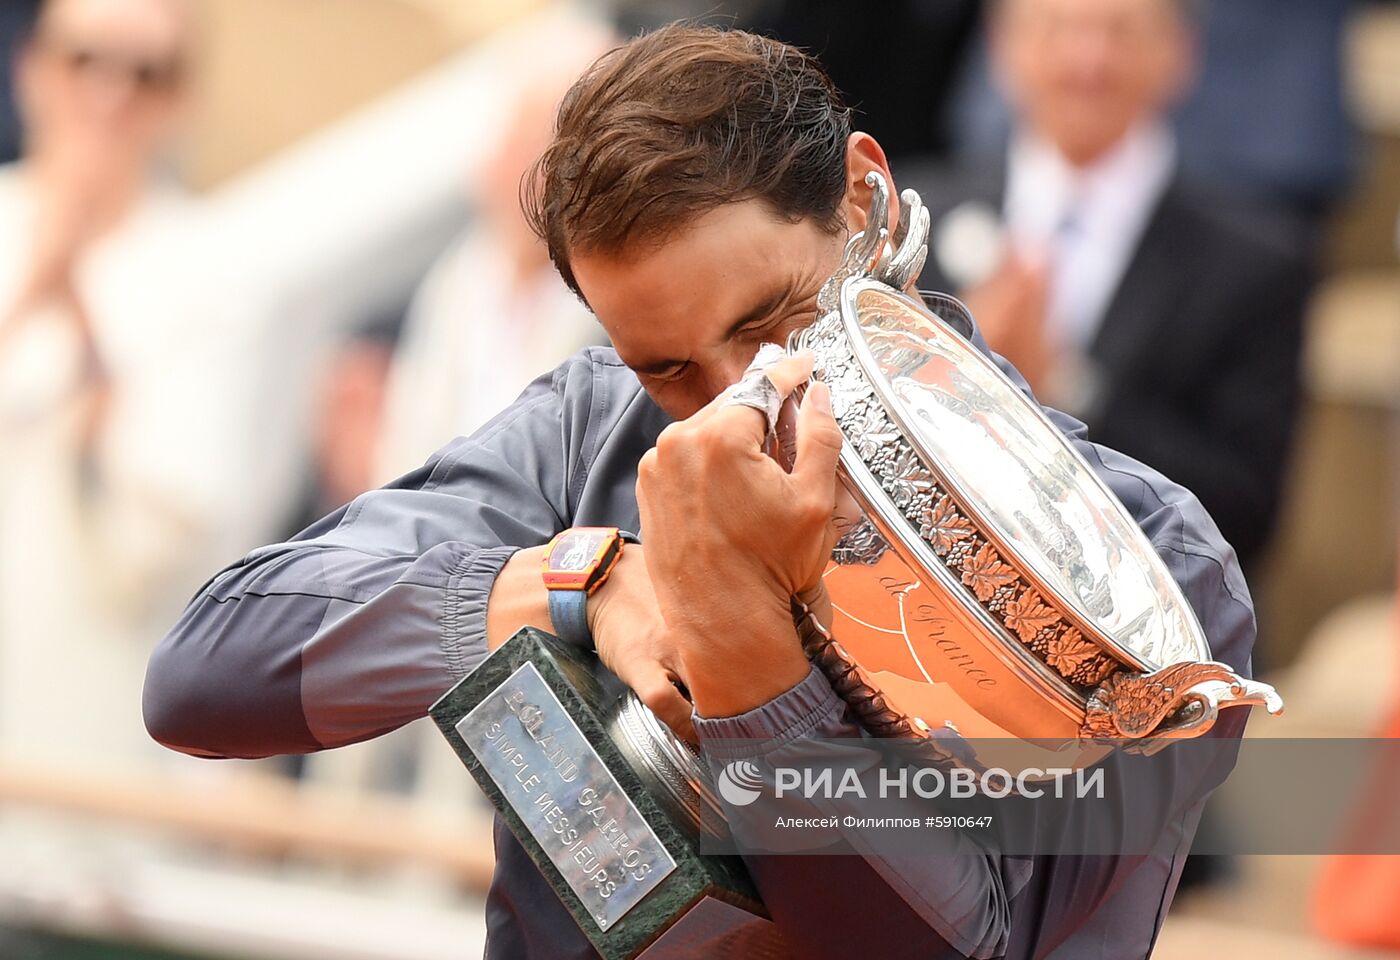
[670,762]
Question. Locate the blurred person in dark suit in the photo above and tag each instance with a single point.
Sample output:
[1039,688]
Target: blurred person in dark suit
[1267,116]
[1167,317]
[897,69]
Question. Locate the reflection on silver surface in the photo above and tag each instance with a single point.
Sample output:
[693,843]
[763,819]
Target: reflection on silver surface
[670,766]
[1030,491]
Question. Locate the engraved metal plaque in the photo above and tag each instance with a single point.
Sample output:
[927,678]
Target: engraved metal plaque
[565,796]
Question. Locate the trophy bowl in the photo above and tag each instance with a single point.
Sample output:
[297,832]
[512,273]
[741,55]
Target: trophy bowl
[986,585]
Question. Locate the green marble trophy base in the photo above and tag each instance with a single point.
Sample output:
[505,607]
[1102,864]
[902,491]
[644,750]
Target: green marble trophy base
[531,724]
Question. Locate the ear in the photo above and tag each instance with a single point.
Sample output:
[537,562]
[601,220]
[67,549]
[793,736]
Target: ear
[22,69]
[863,155]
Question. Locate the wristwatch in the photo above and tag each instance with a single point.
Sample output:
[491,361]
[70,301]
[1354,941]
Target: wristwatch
[578,562]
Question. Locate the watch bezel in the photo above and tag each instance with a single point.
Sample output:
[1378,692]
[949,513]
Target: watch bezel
[599,566]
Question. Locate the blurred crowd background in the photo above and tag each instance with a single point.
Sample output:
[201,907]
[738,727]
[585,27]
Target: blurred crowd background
[258,256]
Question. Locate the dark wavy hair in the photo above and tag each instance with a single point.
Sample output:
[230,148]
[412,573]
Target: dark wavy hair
[678,122]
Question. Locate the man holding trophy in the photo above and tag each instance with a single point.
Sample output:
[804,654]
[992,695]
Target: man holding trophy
[702,190]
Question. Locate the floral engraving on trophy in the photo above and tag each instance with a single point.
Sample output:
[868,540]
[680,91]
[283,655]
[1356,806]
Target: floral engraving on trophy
[942,526]
[1027,616]
[861,544]
[1069,651]
[1094,671]
[872,431]
[913,488]
[847,390]
[907,479]
[986,574]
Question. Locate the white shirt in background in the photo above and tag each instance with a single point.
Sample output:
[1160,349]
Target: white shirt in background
[472,342]
[100,553]
[1086,223]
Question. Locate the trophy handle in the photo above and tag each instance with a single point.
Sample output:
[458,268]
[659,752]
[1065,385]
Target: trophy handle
[911,242]
[870,253]
[1182,700]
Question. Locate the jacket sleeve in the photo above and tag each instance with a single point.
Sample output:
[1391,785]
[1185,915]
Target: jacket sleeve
[968,898]
[358,624]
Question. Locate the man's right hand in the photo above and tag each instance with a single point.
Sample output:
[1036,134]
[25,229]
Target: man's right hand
[1010,309]
[628,631]
[634,642]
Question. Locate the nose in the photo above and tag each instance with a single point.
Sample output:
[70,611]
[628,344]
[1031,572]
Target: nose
[110,93]
[726,370]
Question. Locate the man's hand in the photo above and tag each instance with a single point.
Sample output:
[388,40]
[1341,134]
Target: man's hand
[629,633]
[731,537]
[1010,309]
[634,642]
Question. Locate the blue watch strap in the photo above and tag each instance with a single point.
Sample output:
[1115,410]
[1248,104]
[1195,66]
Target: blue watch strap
[568,611]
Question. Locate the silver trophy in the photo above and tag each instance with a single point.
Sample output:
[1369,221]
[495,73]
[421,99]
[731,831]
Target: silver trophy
[987,582]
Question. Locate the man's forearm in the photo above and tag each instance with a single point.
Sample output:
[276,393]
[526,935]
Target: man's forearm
[958,895]
[313,645]
[743,659]
[518,598]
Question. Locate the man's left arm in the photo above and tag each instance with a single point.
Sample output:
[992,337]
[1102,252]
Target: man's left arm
[731,538]
[966,899]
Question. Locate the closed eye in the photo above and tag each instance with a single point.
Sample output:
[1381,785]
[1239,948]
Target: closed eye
[759,327]
[794,315]
[670,374]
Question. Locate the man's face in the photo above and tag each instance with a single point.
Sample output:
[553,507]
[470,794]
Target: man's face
[101,78]
[688,313]
[1083,72]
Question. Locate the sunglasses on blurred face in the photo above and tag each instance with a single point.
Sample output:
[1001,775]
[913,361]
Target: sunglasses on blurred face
[149,74]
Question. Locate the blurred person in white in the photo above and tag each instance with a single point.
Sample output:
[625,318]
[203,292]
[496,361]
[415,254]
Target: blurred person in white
[492,314]
[1166,315]
[118,383]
